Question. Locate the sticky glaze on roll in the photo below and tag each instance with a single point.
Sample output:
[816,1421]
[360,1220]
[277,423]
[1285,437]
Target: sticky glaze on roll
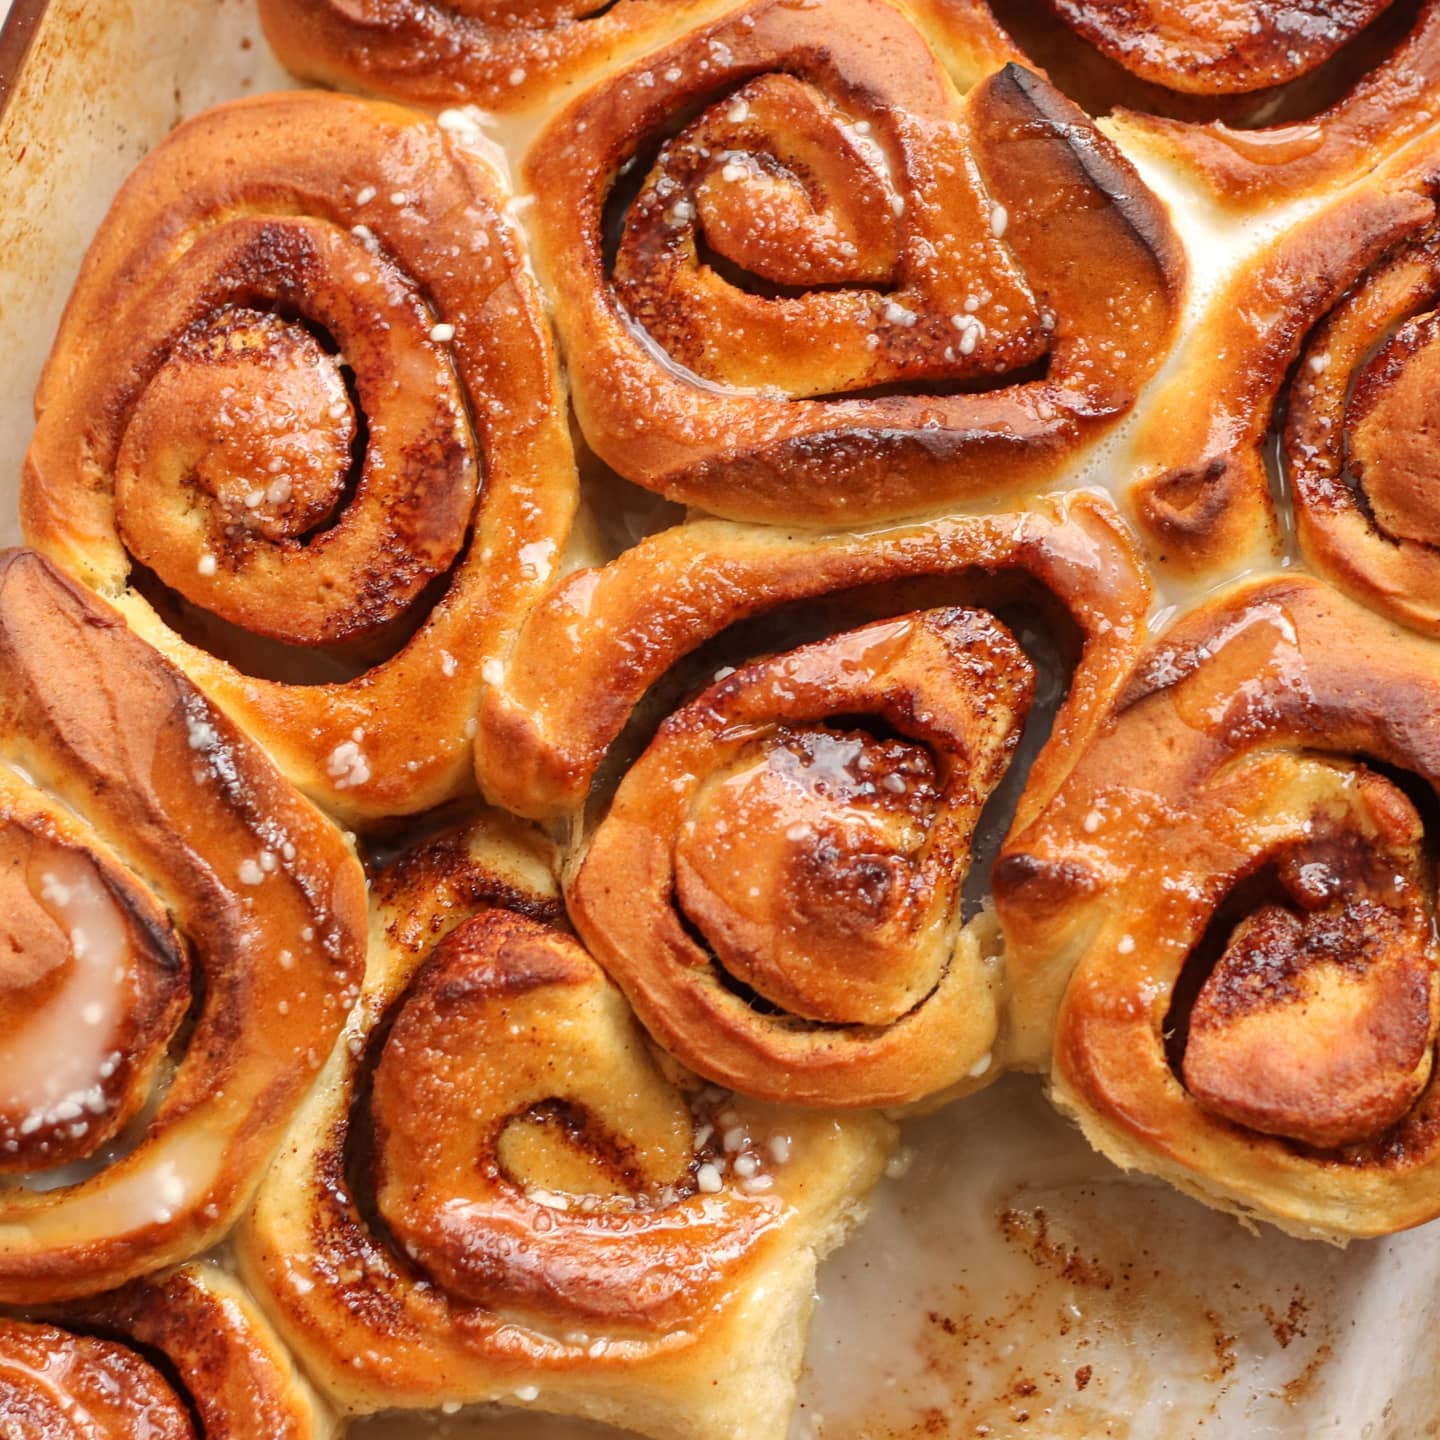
[1222,929]
[183,936]
[302,425]
[567,1220]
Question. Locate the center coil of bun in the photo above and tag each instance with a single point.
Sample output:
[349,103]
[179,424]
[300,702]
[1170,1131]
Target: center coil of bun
[179,941]
[779,880]
[248,415]
[332,467]
[781,214]
[801,278]
[810,870]
[803,876]
[1316,1020]
[233,474]
[511,1047]
[501,1188]
[1222,932]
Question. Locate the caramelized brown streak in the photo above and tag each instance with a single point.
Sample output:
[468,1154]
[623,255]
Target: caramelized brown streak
[500,1190]
[182,1357]
[1226,917]
[1259,100]
[508,1016]
[303,412]
[820,867]
[498,54]
[58,1386]
[1204,490]
[840,290]
[616,631]
[143,838]
[1219,48]
[1316,1021]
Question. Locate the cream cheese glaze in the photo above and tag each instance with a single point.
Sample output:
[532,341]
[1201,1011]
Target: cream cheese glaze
[51,1060]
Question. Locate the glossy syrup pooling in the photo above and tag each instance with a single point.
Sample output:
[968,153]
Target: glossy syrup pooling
[95,985]
[57,1386]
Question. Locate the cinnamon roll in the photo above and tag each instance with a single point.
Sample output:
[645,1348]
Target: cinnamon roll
[1226,917]
[187,1357]
[493,53]
[1317,391]
[499,1192]
[302,426]
[1260,100]
[777,884]
[840,291]
[180,937]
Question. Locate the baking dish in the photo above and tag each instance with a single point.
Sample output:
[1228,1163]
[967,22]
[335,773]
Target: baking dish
[1009,1281]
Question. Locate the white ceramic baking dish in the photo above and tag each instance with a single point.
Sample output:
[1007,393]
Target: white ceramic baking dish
[1008,1283]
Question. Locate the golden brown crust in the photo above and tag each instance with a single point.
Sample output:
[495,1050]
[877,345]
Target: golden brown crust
[221,1372]
[1259,100]
[1384,108]
[199,446]
[1358,437]
[616,631]
[725,356]
[776,890]
[1232,47]
[509,1031]
[60,1386]
[831,898]
[496,54]
[1227,922]
[1326,340]
[132,799]
[1203,489]
[630,1246]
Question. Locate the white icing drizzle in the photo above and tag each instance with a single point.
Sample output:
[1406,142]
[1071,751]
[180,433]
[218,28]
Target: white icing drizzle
[52,1065]
[174,1173]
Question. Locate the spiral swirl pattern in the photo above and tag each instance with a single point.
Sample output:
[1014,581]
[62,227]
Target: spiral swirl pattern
[1260,100]
[1326,346]
[1358,437]
[780,633]
[334,435]
[777,883]
[819,865]
[1226,918]
[224,1375]
[560,1215]
[181,938]
[493,53]
[840,291]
